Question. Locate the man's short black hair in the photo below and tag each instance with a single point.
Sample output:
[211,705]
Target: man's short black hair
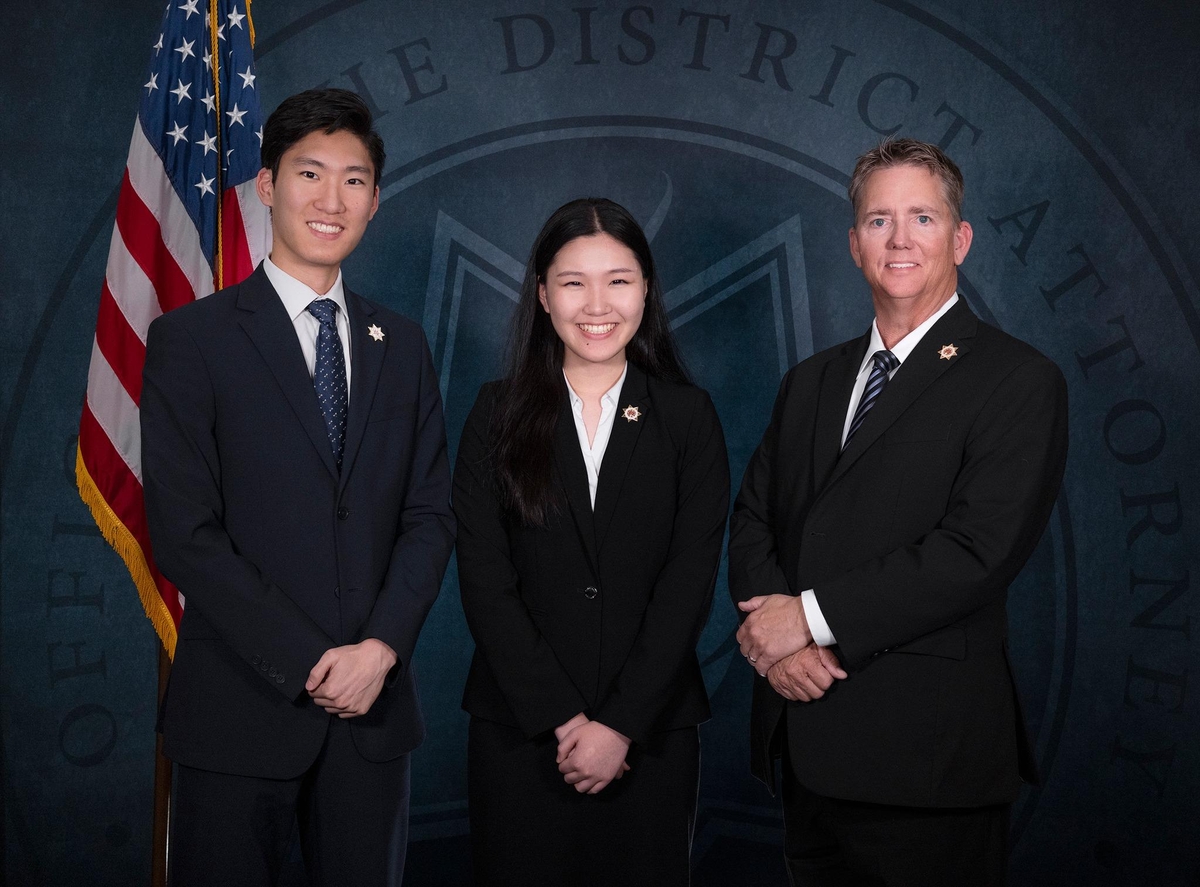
[320,110]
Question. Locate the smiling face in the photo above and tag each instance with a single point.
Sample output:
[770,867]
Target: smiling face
[906,241]
[321,200]
[594,292]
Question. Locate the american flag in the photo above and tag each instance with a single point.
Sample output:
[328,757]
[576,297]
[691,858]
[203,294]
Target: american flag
[188,222]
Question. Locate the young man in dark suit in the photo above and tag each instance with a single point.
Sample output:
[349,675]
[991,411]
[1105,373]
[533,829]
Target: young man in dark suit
[297,490]
[904,479]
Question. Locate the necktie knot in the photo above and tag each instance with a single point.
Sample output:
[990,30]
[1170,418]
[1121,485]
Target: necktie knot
[324,310]
[885,360]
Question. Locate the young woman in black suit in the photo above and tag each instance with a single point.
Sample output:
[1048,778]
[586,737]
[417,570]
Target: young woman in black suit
[591,490]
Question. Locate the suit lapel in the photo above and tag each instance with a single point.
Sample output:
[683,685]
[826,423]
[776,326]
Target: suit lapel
[837,385]
[270,329]
[621,444]
[366,361]
[572,473]
[924,365]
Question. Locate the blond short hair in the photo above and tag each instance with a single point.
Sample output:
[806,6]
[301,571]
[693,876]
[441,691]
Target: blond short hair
[909,152]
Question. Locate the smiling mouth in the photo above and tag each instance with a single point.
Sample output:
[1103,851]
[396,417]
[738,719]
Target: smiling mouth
[323,228]
[901,265]
[597,329]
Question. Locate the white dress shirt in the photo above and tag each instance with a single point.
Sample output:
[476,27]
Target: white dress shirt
[593,453]
[821,632]
[296,298]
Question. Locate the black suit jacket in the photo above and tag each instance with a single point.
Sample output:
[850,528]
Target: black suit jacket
[278,556]
[598,612]
[910,539]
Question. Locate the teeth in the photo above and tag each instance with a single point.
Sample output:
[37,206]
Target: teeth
[597,329]
[902,264]
[322,228]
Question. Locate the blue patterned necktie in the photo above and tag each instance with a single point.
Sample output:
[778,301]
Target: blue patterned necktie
[329,377]
[885,362]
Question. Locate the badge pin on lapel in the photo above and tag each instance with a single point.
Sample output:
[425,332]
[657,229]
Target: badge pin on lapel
[947,351]
[375,332]
[631,413]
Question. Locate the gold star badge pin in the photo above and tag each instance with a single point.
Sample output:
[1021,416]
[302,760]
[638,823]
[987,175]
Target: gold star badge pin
[631,413]
[948,351]
[375,333]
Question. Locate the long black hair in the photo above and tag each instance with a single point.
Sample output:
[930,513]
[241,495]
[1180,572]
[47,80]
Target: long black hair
[527,408]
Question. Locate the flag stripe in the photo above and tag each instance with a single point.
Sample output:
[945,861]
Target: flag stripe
[115,412]
[131,289]
[124,496]
[235,251]
[120,346]
[256,219]
[143,238]
[146,174]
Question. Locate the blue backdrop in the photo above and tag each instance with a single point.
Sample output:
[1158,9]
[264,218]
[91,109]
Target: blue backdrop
[729,128]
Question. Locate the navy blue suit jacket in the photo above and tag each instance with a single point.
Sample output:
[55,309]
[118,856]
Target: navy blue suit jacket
[278,555]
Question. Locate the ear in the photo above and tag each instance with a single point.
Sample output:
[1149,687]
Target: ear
[374,204]
[962,241]
[542,297]
[264,185]
[854,253]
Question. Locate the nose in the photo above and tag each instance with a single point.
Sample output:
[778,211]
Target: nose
[597,301]
[329,199]
[900,235]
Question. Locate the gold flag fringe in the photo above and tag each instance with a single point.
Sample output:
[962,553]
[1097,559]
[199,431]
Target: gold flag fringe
[118,536]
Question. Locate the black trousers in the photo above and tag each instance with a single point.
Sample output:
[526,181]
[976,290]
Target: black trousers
[528,827]
[234,831]
[830,842]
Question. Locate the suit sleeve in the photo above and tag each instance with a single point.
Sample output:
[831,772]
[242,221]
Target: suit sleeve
[754,567]
[999,503]
[538,690]
[181,475]
[422,548]
[682,594]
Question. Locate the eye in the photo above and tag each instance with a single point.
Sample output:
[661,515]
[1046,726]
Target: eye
[876,223]
[308,174]
[617,280]
[924,220]
[355,182]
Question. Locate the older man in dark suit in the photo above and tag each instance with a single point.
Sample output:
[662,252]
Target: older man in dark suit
[904,479]
[297,490]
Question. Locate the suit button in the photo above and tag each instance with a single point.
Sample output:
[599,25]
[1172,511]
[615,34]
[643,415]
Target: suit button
[272,672]
[263,666]
[255,659]
[279,679]
[590,592]
[343,513]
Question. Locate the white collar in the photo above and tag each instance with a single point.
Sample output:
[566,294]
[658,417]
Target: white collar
[610,395]
[905,346]
[297,296]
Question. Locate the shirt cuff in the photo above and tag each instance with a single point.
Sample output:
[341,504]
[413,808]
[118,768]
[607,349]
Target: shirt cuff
[822,634]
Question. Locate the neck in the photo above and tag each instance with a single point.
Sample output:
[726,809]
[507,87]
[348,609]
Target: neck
[591,380]
[897,320]
[319,279]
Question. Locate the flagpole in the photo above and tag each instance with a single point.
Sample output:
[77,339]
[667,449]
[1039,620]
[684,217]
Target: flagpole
[161,835]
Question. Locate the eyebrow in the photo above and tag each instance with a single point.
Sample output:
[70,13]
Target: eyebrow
[912,210]
[579,273]
[312,161]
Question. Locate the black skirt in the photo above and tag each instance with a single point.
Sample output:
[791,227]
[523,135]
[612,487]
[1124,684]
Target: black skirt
[528,826]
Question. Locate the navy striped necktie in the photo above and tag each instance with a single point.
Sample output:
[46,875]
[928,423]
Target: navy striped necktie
[885,362]
[329,375]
